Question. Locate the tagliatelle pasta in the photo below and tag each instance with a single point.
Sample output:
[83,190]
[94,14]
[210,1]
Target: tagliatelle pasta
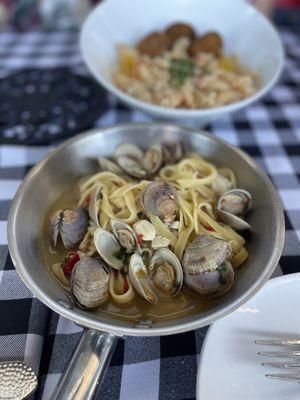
[155,234]
[193,178]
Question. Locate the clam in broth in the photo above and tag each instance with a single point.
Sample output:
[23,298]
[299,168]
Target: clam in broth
[150,247]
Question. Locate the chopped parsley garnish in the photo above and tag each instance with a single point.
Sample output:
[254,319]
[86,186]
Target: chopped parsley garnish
[180,69]
[222,268]
[122,255]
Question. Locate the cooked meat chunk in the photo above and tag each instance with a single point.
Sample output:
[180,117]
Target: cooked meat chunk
[175,31]
[209,43]
[154,44]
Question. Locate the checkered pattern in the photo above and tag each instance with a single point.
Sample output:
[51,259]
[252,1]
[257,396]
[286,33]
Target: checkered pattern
[142,368]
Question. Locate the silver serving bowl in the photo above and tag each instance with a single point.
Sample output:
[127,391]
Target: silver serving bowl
[74,158]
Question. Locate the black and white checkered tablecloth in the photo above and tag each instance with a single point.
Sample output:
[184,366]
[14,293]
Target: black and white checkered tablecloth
[142,368]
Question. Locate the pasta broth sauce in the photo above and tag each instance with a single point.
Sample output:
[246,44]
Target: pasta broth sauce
[186,302]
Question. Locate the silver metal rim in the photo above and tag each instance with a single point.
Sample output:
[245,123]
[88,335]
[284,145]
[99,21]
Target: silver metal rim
[183,327]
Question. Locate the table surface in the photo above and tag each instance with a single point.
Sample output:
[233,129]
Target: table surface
[141,368]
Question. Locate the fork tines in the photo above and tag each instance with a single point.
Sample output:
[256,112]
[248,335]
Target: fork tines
[282,364]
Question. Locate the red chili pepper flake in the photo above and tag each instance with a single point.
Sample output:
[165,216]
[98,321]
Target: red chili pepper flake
[69,263]
[126,285]
[209,228]
[140,238]
[87,200]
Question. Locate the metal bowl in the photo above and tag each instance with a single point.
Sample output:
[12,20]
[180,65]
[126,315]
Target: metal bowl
[74,158]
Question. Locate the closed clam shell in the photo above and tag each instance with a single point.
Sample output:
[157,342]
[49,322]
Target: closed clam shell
[205,253]
[70,225]
[213,283]
[89,282]
[160,199]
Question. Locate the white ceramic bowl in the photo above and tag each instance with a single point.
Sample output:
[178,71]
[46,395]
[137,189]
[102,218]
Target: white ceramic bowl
[246,33]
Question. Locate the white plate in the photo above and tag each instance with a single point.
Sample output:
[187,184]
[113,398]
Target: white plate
[229,366]
[246,33]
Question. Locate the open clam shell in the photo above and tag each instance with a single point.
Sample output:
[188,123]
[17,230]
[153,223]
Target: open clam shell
[125,235]
[235,222]
[139,278]
[70,225]
[232,206]
[108,165]
[89,282]
[130,158]
[153,159]
[108,248]
[166,272]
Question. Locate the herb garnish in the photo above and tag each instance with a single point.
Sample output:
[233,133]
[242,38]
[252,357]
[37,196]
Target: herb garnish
[180,69]
[122,255]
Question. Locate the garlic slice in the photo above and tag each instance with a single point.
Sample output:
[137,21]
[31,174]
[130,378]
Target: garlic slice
[160,241]
[145,228]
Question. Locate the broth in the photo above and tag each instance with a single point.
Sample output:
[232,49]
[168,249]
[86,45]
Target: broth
[186,302]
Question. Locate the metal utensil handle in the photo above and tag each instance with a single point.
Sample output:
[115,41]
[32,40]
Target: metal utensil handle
[86,367]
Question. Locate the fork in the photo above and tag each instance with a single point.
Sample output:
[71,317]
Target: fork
[295,377]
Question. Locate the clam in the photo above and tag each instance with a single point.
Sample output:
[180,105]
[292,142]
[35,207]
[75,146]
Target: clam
[213,283]
[120,287]
[126,235]
[139,278]
[145,229]
[172,152]
[94,205]
[153,159]
[108,248]
[129,150]
[70,225]
[160,199]
[89,282]
[130,158]
[166,272]
[202,263]
[232,206]
[108,165]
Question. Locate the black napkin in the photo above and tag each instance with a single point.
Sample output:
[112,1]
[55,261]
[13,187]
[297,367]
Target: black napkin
[38,106]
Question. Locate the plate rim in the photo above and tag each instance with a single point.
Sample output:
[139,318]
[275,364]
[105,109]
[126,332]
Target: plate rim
[272,282]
